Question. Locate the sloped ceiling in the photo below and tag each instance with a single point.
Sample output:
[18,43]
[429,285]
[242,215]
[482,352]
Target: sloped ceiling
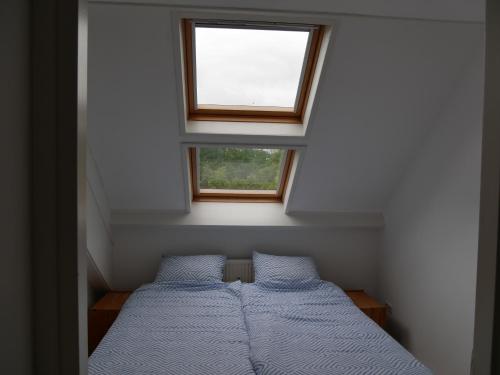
[383,87]
[451,10]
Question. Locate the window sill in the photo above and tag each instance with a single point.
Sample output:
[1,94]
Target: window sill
[210,214]
[245,128]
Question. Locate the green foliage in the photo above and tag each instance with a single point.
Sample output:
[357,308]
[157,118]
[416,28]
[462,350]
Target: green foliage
[240,168]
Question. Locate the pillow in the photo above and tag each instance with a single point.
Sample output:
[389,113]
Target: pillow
[284,271]
[194,268]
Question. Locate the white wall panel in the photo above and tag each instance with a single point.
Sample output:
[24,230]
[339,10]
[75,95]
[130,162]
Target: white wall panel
[99,237]
[345,256]
[429,254]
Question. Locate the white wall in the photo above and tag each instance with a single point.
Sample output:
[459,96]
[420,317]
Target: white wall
[345,256]
[15,150]
[99,236]
[367,122]
[429,251]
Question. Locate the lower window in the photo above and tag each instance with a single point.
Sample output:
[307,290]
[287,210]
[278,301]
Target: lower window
[239,174]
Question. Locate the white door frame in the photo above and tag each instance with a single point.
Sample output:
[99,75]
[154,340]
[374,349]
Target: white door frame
[59,101]
[489,198]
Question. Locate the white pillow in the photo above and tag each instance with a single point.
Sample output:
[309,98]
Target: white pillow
[194,268]
[285,271]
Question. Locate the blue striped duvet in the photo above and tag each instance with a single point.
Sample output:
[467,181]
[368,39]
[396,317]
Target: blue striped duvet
[318,331]
[173,328]
[218,328]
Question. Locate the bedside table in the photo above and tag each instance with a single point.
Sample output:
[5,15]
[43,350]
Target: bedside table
[102,315]
[370,306]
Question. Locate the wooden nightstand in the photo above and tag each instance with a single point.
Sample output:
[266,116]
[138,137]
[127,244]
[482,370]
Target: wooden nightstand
[371,307]
[102,315]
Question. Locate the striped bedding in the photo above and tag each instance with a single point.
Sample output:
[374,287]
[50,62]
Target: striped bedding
[233,328]
[176,328]
[318,330]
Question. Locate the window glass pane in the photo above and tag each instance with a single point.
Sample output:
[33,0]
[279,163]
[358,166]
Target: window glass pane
[240,168]
[248,67]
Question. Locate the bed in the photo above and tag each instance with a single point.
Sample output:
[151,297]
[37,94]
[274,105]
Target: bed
[177,328]
[289,322]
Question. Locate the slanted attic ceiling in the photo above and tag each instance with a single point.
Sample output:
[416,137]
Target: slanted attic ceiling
[383,87]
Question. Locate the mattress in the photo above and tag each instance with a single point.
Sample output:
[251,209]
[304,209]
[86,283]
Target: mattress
[318,331]
[175,328]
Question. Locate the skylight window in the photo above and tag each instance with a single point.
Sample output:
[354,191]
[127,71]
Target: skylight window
[248,67]
[248,71]
[239,173]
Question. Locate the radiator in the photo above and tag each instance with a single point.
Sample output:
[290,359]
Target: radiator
[238,269]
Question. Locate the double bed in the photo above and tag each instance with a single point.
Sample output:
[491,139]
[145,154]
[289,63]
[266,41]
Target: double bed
[278,327]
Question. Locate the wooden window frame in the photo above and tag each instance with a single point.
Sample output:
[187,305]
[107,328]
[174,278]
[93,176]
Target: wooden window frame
[234,113]
[233,195]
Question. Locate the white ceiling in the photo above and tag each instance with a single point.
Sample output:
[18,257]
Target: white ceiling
[456,10]
[383,87]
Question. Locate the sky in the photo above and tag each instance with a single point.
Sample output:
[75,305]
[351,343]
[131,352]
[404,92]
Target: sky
[248,67]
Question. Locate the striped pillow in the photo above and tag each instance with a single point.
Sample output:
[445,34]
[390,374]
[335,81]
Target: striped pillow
[284,271]
[193,268]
